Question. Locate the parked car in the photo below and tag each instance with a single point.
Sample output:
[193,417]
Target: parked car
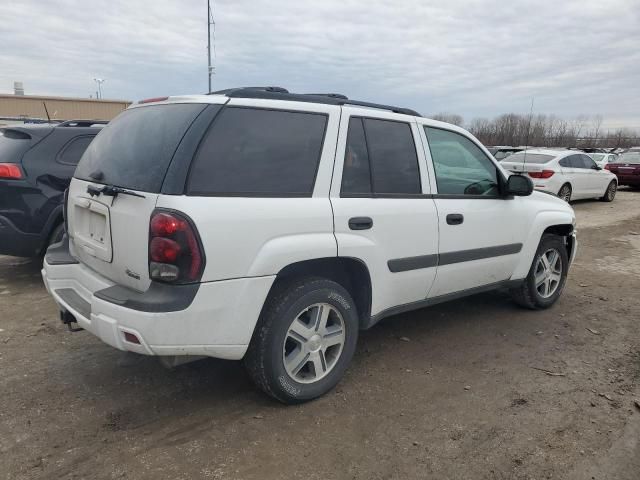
[565,173]
[627,168]
[36,165]
[602,159]
[272,227]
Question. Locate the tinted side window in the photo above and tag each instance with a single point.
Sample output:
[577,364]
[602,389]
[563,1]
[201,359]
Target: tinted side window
[393,157]
[565,162]
[575,161]
[255,152]
[587,161]
[461,167]
[356,174]
[73,150]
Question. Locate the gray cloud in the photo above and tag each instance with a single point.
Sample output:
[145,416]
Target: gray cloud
[474,58]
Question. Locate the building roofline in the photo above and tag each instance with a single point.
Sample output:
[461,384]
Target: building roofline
[68,99]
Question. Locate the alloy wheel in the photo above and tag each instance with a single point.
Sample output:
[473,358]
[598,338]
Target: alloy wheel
[611,191]
[313,343]
[548,273]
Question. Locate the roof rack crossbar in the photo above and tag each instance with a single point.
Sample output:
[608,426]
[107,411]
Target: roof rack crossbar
[82,123]
[278,93]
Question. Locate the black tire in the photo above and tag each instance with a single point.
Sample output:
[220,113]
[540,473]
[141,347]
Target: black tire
[56,236]
[264,359]
[610,192]
[527,294]
[565,192]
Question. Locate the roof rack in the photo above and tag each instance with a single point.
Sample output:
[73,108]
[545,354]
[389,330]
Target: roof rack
[279,93]
[82,123]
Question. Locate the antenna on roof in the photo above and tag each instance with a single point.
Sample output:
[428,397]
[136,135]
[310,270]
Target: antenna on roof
[46,111]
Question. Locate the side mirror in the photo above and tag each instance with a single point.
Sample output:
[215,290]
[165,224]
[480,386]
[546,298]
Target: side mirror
[519,185]
[596,167]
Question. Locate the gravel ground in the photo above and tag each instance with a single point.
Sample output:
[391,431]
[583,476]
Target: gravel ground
[481,390]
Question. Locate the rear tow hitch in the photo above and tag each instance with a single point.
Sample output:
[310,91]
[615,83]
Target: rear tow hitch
[68,319]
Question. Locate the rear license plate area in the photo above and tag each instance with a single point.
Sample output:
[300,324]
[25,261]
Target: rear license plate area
[91,228]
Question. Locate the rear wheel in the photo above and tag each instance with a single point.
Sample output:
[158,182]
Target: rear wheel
[610,193]
[565,192]
[55,237]
[547,276]
[304,341]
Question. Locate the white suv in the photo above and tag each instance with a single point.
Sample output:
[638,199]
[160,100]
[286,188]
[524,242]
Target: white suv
[258,224]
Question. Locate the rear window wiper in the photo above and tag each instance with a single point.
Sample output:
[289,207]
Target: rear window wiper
[111,191]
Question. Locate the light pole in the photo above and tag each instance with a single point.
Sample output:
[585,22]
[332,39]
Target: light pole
[209,23]
[99,82]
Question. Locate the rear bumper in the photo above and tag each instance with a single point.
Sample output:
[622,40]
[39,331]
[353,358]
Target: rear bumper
[218,321]
[17,243]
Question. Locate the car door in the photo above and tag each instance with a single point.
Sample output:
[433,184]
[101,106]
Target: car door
[481,231]
[597,180]
[382,211]
[576,176]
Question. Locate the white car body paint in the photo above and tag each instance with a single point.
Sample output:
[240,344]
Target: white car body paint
[584,182]
[247,241]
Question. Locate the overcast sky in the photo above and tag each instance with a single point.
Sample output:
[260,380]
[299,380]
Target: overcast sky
[475,58]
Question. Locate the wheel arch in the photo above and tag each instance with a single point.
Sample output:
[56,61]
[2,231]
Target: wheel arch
[555,222]
[351,273]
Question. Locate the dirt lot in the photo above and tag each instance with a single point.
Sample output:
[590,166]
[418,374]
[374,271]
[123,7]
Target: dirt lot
[463,398]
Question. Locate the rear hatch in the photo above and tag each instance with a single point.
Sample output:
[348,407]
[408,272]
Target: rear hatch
[116,186]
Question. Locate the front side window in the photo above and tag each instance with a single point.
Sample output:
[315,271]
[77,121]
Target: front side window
[380,158]
[461,167]
[259,152]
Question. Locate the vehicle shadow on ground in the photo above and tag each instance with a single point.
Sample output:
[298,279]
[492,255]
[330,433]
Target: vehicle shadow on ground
[136,391]
[211,388]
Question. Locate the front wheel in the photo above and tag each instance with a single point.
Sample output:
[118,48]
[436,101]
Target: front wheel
[610,193]
[304,341]
[547,275]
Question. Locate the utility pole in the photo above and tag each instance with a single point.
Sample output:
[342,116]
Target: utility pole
[209,23]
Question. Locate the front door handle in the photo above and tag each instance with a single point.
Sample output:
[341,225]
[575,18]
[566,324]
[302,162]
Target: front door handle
[360,223]
[455,218]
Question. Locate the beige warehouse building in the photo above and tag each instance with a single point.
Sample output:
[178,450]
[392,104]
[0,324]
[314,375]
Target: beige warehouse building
[18,107]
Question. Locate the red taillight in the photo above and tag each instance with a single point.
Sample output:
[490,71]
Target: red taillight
[175,253]
[164,225]
[164,250]
[10,170]
[542,174]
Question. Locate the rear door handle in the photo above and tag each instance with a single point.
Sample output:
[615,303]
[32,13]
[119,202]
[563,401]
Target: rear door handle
[455,218]
[360,223]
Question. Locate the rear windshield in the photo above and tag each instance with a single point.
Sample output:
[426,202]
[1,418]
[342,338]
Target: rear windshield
[13,144]
[135,149]
[523,157]
[630,157]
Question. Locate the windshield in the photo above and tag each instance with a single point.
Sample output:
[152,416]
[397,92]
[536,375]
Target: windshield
[135,149]
[13,144]
[522,157]
[597,156]
[629,157]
